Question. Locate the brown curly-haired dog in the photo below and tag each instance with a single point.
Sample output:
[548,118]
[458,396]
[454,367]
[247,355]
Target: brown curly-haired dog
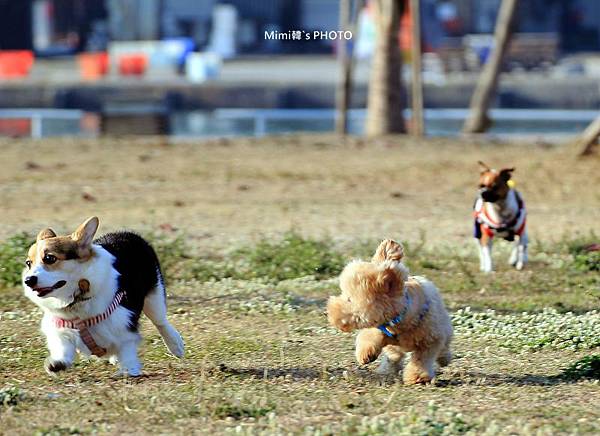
[397,314]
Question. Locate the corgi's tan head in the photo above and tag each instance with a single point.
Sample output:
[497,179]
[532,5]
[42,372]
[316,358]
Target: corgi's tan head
[55,264]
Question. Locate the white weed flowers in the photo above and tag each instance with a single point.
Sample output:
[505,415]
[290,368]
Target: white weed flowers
[547,329]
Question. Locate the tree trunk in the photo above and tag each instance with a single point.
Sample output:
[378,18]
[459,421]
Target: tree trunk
[385,100]
[588,140]
[478,120]
[346,66]
[418,128]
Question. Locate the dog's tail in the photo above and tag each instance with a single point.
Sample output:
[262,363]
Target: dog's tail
[155,308]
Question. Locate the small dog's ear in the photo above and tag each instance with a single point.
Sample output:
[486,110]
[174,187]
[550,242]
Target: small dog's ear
[483,167]
[506,173]
[84,234]
[389,280]
[45,234]
[388,250]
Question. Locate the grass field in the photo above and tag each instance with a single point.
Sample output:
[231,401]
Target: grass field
[252,234]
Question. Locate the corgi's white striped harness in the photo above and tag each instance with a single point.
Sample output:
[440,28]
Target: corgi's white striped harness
[82,325]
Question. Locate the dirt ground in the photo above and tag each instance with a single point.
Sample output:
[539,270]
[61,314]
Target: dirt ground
[231,190]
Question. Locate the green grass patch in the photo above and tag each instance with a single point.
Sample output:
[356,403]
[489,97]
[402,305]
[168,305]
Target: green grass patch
[432,422]
[226,409]
[11,396]
[179,260]
[585,368]
[291,257]
[585,252]
[13,253]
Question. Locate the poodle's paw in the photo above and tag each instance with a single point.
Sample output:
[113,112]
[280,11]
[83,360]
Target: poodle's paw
[415,375]
[417,379]
[366,353]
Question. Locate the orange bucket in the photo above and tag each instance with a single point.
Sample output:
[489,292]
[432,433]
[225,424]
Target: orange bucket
[15,63]
[133,64]
[93,65]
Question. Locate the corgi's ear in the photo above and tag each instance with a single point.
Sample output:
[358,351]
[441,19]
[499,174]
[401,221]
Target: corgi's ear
[84,235]
[506,173]
[389,280]
[483,167]
[388,250]
[45,234]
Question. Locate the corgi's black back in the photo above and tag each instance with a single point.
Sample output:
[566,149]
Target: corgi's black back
[138,266]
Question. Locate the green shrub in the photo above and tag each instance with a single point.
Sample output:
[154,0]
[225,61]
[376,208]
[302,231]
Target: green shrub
[291,257]
[13,252]
[587,367]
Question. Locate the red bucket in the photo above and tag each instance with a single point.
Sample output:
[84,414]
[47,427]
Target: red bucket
[15,63]
[133,64]
[93,65]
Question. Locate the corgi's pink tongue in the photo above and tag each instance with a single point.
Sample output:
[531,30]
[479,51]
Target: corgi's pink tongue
[44,291]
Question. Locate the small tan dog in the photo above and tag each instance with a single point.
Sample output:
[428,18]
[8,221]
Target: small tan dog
[397,314]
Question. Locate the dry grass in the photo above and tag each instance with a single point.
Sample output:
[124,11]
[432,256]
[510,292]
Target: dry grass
[232,190]
[261,357]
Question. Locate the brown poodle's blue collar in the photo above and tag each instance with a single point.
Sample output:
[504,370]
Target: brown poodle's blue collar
[385,327]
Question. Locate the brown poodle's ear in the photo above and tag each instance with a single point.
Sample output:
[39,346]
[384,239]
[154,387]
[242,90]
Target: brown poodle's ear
[506,173]
[389,280]
[338,314]
[388,250]
[483,167]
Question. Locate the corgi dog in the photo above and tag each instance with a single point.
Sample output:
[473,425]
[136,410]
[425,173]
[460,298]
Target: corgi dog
[92,293]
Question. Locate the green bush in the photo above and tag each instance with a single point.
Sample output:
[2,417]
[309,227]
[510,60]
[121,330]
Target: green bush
[290,258]
[13,252]
[587,367]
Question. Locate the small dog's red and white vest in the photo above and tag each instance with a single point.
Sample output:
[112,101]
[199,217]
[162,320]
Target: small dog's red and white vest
[507,230]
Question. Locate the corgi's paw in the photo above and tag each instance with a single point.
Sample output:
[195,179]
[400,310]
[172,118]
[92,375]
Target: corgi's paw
[53,366]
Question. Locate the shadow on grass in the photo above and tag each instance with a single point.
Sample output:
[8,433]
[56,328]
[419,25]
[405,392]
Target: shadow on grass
[296,373]
[496,380]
